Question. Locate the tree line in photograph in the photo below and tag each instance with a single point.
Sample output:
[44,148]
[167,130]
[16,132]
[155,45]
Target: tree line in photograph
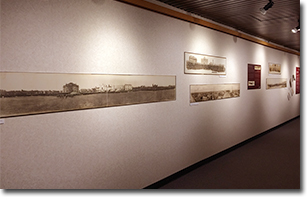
[72,89]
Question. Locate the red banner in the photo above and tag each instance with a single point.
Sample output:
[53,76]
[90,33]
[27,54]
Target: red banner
[254,76]
[297,80]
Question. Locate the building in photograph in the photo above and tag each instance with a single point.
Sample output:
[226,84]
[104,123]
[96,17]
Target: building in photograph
[70,87]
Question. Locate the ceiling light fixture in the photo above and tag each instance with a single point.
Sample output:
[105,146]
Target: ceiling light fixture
[296,29]
[266,7]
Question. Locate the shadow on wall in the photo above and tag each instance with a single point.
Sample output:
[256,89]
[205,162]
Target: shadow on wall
[98,2]
[234,39]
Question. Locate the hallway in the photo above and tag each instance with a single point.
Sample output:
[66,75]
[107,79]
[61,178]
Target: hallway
[271,161]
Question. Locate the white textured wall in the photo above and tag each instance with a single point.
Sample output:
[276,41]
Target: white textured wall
[129,146]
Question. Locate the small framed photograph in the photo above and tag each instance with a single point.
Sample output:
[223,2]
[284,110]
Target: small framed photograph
[274,68]
[204,64]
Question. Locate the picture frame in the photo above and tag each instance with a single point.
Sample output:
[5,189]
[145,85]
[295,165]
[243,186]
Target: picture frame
[274,68]
[276,83]
[29,93]
[209,92]
[203,64]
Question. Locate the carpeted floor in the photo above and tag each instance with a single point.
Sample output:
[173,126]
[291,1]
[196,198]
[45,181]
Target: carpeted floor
[271,161]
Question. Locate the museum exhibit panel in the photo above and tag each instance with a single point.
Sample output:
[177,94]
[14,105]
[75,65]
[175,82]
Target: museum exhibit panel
[254,76]
[297,80]
[102,94]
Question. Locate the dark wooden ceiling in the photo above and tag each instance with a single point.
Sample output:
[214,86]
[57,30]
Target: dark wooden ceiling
[244,15]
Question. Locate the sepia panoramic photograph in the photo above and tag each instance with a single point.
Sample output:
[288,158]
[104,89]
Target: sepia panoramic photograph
[274,68]
[207,92]
[276,83]
[204,64]
[37,93]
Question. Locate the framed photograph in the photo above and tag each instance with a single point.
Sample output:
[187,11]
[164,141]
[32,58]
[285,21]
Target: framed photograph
[204,64]
[207,92]
[254,76]
[274,68]
[38,93]
[276,83]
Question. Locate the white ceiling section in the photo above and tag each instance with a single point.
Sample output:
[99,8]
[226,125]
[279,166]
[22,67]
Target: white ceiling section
[275,26]
[243,17]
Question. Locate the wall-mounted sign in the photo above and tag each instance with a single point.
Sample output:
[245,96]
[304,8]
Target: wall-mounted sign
[254,76]
[297,90]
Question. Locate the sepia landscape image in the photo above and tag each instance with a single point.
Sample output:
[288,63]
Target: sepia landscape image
[276,83]
[274,68]
[207,92]
[204,64]
[37,93]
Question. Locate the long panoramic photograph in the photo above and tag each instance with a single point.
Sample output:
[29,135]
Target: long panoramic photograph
[204,64]
[38,93]
[207,92]
[276,83]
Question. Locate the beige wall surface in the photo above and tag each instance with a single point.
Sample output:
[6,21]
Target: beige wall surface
[127,147]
